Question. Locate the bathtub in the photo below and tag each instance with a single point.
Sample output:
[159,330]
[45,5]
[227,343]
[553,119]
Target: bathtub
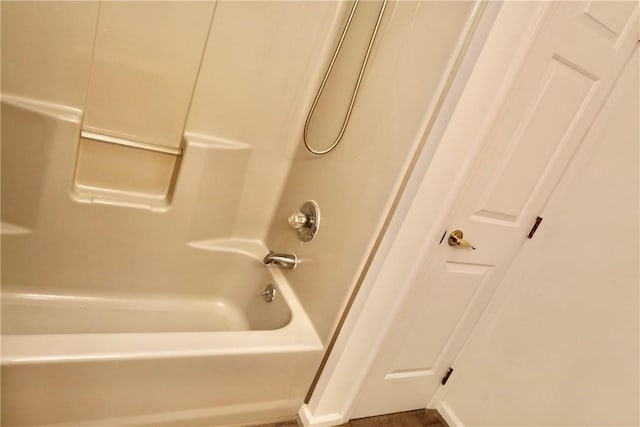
[105,321]
[111,358]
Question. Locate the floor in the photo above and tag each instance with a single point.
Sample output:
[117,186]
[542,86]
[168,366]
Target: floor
[419,418]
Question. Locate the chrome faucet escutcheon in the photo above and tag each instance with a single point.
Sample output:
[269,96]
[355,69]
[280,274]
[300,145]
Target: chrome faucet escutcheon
[286,261]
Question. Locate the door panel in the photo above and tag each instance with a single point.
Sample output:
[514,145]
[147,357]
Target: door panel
[461,283]
[560,343]
[555,106]
[571,66]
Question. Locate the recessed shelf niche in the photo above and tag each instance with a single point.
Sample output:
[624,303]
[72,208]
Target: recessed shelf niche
[112,170]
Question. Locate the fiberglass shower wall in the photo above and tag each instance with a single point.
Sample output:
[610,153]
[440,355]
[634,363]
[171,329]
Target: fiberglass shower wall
[153,96]
[413,56]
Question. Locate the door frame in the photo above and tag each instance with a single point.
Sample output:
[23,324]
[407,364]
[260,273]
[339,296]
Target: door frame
[496,53]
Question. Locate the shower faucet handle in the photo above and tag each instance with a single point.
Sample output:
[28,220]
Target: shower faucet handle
[297,220]
[306,221]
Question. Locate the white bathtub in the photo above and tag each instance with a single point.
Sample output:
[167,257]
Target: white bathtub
[117,359]
[106,321]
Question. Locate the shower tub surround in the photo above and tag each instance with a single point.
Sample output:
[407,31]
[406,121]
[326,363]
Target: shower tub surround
[132,171]
[129,330]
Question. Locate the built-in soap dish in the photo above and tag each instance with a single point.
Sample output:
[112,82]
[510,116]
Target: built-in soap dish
[114,171]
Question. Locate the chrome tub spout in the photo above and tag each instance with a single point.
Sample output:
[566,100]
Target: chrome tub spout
[286,261]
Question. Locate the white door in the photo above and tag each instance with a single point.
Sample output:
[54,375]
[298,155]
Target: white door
[571,66]
[559,344]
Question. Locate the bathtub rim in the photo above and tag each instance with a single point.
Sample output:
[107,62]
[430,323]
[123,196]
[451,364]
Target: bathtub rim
[299,335]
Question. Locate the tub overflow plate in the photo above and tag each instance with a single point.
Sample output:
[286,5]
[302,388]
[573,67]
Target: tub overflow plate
[269,293]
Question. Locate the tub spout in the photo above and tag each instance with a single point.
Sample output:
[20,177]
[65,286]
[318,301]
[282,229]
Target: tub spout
[286,261]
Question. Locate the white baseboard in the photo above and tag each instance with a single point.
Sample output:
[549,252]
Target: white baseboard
[447,413]
[307,419]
